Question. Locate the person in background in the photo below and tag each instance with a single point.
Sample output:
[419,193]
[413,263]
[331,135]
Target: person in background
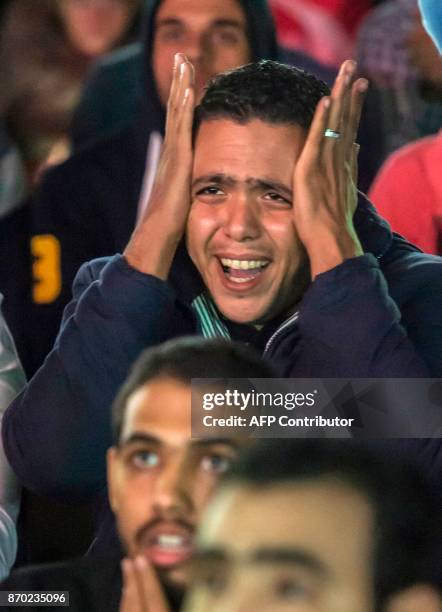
[46,49]
[407,192]
[12,380]
[159,478]
[320,526]
[405,71]
[408,188]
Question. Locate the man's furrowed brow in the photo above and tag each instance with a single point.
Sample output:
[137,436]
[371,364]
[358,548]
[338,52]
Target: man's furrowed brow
[139,437]
[289,556]
[218,178]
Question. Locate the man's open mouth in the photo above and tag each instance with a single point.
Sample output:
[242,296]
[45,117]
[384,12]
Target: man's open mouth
[168,545]
[243,270]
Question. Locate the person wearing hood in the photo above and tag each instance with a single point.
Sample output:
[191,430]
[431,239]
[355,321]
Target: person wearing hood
[283,256]
[408,189]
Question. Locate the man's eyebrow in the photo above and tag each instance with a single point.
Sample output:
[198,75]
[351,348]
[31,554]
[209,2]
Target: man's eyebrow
[226,179]
[290,556]
[233,23]
[169,21]
[140,438]
[207,442]
[208,555]
[287,556]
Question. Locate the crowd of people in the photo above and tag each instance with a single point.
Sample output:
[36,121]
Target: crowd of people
[181,197]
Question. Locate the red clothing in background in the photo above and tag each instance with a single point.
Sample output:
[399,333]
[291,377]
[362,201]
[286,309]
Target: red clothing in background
[408,193]
[348,12]
[323,29]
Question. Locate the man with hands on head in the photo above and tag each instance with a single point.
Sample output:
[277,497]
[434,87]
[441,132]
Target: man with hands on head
[284,255]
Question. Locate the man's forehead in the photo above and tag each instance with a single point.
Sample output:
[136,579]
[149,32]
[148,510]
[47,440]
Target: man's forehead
[251,151]
[288,512]
[160,412]
[230,131]
[195,11]
[161,404]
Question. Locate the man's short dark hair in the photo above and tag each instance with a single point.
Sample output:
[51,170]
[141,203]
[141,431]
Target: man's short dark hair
[266,90]
[408,531]
[187,358]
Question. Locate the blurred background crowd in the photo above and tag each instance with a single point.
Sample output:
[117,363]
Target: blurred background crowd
[72,75]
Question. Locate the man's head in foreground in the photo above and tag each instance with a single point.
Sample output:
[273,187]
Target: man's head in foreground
[160,480]
[250,129]
[319,526]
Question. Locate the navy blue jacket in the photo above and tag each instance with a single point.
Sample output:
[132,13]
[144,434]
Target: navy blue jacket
[378,315]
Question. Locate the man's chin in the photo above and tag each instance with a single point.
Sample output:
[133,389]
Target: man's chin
[242,310]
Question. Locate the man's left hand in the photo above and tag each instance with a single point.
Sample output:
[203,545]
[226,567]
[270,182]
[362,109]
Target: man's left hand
[325,176]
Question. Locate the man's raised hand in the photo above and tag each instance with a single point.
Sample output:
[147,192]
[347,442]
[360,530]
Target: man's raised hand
[142,591]
[154,241]
[324,184]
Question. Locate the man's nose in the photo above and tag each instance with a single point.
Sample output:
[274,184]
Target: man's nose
[197,48]
[173,491]
[242,219]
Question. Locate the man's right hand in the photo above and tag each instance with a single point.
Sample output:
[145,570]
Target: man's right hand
[142,591]
[154,241]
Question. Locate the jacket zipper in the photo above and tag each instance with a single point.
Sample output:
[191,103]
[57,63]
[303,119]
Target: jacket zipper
[292,319]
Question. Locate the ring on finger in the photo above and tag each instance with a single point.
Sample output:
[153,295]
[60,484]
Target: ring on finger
[332,134]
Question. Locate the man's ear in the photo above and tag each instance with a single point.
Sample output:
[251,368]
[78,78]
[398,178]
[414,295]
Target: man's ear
[112,467]
[418,598]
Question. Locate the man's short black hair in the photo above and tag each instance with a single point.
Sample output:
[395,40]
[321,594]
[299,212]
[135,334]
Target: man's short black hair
[266,90]
[408,521]
[184,359]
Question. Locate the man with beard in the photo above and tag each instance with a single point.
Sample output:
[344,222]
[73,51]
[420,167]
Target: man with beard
[159,479]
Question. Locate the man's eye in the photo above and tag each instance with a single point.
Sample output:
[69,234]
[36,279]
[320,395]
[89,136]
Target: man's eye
[212,191]
[216,464]
[171,35]
[276,197]
[225,37]
[289,589]
[214,581]
[145,459]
